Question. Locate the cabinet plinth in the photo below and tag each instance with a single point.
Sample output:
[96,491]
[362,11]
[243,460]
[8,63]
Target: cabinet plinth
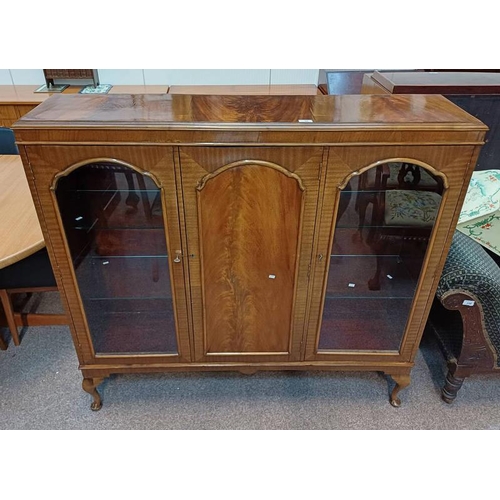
[194,232]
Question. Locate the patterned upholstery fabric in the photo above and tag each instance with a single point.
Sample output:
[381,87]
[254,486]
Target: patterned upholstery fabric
[470,268]
[411,208]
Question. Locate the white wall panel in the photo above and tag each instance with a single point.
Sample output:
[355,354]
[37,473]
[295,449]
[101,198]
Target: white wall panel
[27,76]
[177,76]
[294,76]
[206,76]
[5,78]
[121,76]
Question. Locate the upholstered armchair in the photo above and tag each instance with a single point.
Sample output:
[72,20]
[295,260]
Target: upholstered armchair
[466,314]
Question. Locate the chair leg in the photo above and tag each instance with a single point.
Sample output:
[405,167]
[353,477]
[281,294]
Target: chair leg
[3,344]
[9,314]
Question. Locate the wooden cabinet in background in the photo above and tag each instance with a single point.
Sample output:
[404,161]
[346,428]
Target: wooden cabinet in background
[16,101]
[247,232]
[477,92]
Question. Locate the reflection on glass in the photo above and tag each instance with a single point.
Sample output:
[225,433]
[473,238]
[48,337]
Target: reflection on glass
[112,217]
[384,222]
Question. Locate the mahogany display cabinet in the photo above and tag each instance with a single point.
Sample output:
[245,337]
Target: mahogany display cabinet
[245,232]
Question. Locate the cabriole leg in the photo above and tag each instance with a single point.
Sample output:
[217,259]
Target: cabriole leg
[402,381]
[89,385]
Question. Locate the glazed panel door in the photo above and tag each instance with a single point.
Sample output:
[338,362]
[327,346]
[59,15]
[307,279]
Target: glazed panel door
[114,236]
[250,216]
[386,222]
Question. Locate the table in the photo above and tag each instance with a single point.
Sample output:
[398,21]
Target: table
[20,231]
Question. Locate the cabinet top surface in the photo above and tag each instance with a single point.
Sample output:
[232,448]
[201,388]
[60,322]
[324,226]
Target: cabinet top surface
[265,112]
[439,82]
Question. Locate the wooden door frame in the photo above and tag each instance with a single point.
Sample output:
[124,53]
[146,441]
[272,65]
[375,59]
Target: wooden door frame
[153,161]
[193,176]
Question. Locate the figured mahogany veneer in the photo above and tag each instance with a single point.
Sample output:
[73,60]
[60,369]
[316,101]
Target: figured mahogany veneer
[17,100]
[253,194]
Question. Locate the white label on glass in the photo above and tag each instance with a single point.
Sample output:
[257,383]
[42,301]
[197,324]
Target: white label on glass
[305,121]
[469,303]
[389,276]
[272,276]
[105,262]
[79,218]
[352,285]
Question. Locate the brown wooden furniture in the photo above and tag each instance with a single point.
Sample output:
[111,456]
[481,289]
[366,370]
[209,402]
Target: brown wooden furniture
[244,89]
[70,74]
[17,100]
[476,93]
[20,231]
[465,316]
[233,247]
[21,238]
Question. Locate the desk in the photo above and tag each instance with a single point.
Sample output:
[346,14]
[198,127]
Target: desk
[17,100]
[245,89]
[20,232]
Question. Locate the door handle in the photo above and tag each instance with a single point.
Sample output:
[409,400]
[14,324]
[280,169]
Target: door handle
[178,256]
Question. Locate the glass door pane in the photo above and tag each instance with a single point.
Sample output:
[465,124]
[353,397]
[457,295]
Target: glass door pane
[384,222]
[113,220]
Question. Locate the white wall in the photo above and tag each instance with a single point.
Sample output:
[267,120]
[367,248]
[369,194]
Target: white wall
[176,76]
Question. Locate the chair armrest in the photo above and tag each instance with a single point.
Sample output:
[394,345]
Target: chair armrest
[471,271]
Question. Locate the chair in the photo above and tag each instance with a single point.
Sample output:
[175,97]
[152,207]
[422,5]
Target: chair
[403,210]
[465,316]
[31,274]
[392,175]
[7,142]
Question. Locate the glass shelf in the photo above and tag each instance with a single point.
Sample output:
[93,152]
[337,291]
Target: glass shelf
[133,326]
[349,276]
[95,227]
[374,269]
[113,221]
[114,190]
[363,324]
[123,277]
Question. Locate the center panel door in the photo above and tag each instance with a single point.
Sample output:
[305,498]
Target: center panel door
[250,216]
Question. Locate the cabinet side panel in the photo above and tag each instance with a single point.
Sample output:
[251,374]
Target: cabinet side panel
[48,222]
